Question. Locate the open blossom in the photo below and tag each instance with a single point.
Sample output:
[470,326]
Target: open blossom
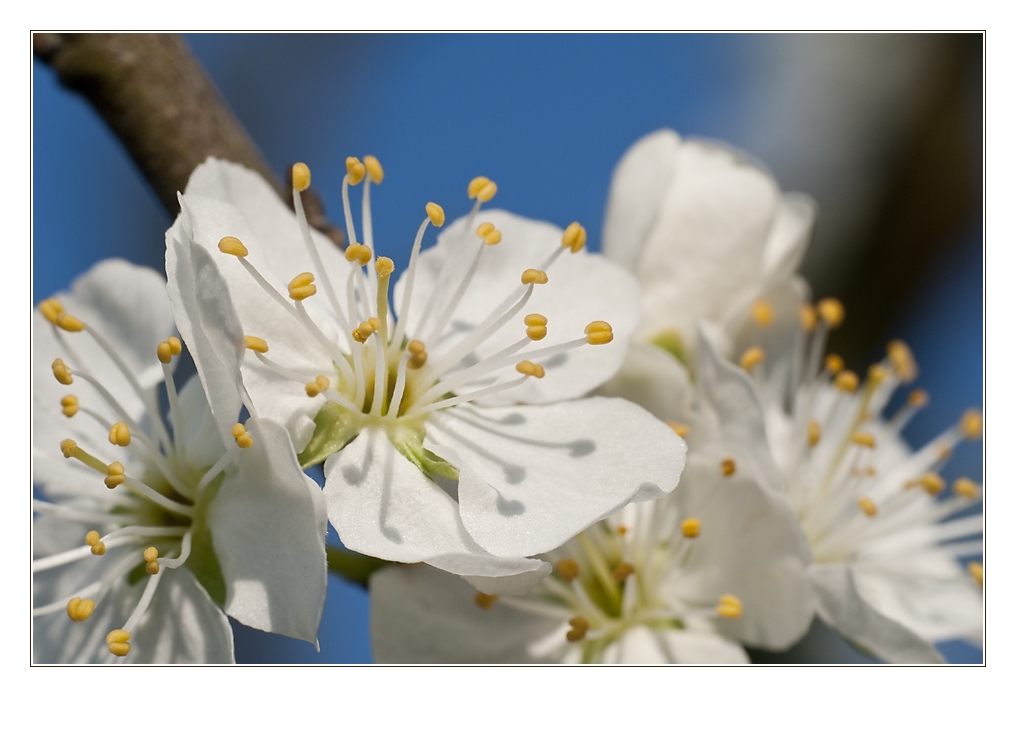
[150,530]
[452,434]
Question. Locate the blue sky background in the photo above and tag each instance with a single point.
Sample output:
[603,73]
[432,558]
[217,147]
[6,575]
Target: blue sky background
[546,117]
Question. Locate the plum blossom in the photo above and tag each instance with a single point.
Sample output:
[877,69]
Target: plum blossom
[151,528]
[453,434]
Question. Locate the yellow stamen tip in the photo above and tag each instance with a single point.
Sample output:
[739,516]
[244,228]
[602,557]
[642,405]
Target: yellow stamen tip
[752,358]
[574,237]
[242,436]
[808,317]
[535,319]
[436,214]
[151,554]
[691,527]
[831,311]
[877,373]
[972,424]
[62,372]
[728,467]
[79,609]
[918,398]
[814,432]
[599,333]
[302,286]
[301,176]
[536,332]
[319,385]
[530,369]
[120,434]
[175,345]
[623,571]
[965,487]
[384,266]
[69,323]
[864,439]
[833,364]
[232,246]
[355,170]
[682,430]
[976,570]
[568,569]
[902,360]
[416,347]
[483,229]
[846,381]
[579,628]
[762,313]
[68,447]
[51,309]
[98,549]
[868,506]
[534,277]
[70,405]
[494,237]
[476,185]
[932,483]
[358,253]
[164,352]
[117,642]
[92,538]
[238,429]
[730,607]
[485,601]
[253,343]
[374,169]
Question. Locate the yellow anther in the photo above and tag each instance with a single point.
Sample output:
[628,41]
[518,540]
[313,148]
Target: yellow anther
[965,487]
[51,309]
[762,313]
[436,214]
[752,358]
[114,475]
[68,447]
[535,319]
[355,170]
[902,359]
[534,277]
[728,467]
[416,347]
[62,372]
[976,570]
[536,326]
[864,439]
[319,385]
[972,424]
[918,398]
[232,246]
[302,286]
[69,323]
[384,266]
[301,176]
[483,229]
[492,238]
[418,359]
[574,237]
[808,317]
[932,483]
[814,432]
[253,343]
[730,607]
[833,364]
[623,571]
[567,568]
[79,609]
[599,333]
[243,438]
[579,628]
[175,346]
[846,381]
[151,555]
[691,527]
[374,323]
[374,169]
[120,434]
[476,185]
[622,530]
[682,430]
[359,253]
[831,311]
[117,641]
[92,539]
[70,405]
[877,373]
[164,352]
[530,369]
[868,506]
[485,601]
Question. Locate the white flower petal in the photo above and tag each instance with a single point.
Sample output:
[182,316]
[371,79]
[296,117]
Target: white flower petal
[637,188]
[642,645]
[197,438]
[789,237]
[494,575]
[653,379]
[531,477]
[423,615]
[840,605]
[582,287]
[268,527]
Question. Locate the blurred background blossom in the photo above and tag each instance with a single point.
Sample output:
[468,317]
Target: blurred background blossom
[884,131]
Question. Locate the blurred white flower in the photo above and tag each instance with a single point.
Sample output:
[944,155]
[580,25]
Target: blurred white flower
[150,531]
[450,435]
